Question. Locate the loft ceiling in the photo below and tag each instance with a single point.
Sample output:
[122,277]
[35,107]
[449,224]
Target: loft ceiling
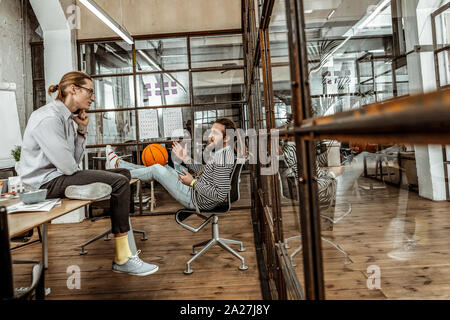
[143,17]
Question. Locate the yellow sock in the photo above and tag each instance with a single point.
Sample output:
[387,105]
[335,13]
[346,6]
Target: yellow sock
[123,252]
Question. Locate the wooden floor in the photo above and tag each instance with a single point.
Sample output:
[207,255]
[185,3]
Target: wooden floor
[406,236]
[216,274]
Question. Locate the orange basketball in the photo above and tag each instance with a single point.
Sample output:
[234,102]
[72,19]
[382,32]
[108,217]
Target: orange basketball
[154,153]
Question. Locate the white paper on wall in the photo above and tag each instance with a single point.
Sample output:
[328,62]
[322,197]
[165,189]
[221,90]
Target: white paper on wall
[173,122]
[148,124]
[11,135]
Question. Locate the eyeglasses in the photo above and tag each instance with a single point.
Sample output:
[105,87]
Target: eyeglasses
[91,91]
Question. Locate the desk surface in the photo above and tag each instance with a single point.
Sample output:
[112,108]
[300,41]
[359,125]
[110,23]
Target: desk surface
[22,222]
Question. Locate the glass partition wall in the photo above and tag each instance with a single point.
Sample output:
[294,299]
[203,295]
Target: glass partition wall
[192,79]
[348,157]
[356,205]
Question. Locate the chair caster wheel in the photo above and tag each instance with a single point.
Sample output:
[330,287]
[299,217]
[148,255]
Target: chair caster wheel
[193,253]
[188,271]
[144,239]
[347,261]
[83,252]
[243,267]
[241,250]
[108,239]
[287,246]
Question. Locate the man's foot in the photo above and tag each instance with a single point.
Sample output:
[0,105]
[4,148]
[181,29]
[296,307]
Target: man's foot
[135,266]
[111,158]
[93,191]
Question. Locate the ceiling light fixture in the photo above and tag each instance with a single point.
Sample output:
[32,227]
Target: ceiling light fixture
[106,18]
[374,14]
[331,14]
[360,25]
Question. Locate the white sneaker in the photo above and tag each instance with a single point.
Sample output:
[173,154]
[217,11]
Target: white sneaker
[111,158]
[93,191]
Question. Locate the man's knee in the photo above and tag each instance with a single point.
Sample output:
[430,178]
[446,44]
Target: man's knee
[124,180]
[120,182]
[124,172]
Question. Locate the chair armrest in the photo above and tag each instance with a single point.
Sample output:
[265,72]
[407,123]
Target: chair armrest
[38,269]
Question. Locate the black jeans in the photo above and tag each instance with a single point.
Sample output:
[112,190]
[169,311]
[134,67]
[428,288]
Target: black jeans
[118,179]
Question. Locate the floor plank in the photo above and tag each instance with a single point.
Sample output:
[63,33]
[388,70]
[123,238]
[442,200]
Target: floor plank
[216,274]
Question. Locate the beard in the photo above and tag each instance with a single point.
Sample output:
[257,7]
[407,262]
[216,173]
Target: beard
[213,146]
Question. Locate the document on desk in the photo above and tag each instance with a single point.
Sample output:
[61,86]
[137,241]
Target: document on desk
[44,206]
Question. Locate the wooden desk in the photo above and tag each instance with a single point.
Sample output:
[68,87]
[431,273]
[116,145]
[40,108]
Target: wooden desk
[21,222]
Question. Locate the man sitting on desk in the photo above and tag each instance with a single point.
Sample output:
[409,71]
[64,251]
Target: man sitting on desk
[52,151]
[212,183]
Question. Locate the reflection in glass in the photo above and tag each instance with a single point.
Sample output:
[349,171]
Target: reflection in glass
[258,97]
[218,86]
[442,25]
[350,56]
[109,57]
[97,158]
[376,215]
[113,93]
[183,116]
[216,51]
[278,34]
[161,54]
[159,89]
[279,61]
[443,67]
[111,127]
[282,95]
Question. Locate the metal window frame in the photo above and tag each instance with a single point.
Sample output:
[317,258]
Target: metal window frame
[437,49]
[420,119]
[191,104]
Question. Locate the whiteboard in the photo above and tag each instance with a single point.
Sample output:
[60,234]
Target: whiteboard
[11,136]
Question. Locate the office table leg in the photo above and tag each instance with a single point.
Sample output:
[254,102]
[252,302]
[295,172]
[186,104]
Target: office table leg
[152,197]
[45,244]
[140,196]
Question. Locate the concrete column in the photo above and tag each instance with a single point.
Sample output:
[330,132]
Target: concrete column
[422,79]
[59,40]
[59,57]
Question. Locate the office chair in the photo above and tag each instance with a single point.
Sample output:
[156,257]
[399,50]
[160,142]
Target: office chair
[233,196]
[7,290]
[325,202]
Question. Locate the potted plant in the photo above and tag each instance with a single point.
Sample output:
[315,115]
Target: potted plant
[16,155]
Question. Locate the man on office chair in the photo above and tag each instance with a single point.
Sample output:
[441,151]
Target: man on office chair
[210,184]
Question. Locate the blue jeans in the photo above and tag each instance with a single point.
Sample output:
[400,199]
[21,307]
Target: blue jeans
[166,176]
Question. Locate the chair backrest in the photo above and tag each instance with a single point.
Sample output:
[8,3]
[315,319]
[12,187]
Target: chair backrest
[235,193]
[6,274]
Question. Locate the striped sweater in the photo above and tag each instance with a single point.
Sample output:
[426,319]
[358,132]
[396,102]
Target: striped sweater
[326,184]
[214,179]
